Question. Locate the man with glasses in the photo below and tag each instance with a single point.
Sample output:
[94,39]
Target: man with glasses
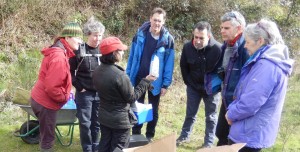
[152,40]
[199,66]
[234,57]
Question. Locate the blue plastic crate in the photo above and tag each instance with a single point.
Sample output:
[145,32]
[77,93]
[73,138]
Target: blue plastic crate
[144,114]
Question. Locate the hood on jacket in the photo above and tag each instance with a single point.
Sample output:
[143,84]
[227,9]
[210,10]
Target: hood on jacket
[53,48]
[279,54]
[47,51]
[59,44]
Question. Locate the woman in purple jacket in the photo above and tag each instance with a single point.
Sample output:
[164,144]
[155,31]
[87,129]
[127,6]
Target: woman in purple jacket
[255,113]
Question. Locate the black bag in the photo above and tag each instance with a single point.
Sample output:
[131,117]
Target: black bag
[132,118]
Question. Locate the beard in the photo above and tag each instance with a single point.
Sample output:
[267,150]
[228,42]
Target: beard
[199,46]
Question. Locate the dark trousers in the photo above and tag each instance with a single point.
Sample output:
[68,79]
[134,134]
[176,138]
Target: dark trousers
[211,102]
[88,104]
[150,130]
[222,130]
[245,149]
[47,122]
[112,139]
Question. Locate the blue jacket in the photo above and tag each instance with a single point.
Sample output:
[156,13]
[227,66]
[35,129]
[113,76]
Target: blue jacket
[233,71]
[164,51]
[260,94]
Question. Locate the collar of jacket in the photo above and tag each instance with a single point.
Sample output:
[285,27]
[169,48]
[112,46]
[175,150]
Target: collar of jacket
[58,44]
[69,53]
[257,55]
[237,46]
[113,64]
[119,67]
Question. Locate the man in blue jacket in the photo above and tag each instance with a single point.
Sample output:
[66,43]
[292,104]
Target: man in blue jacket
[152,40]
[234,57]
[199,65]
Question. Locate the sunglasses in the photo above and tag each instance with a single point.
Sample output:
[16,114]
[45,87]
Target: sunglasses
[232,15]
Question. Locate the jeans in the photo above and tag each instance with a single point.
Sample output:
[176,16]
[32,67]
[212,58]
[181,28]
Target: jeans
[222,130]
[47,122]
[113,138]
[211,103]
[150,130]
[88,103]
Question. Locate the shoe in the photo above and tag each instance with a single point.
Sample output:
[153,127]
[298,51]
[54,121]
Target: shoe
[180,140]
[150,139]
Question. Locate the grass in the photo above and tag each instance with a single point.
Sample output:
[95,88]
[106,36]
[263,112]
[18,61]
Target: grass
[27,26]
[171,117]
[172,113]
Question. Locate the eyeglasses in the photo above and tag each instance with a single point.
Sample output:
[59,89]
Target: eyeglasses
[232,15]
[260,26]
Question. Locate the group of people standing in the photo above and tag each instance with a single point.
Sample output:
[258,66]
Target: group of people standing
[250,69]
[104,90]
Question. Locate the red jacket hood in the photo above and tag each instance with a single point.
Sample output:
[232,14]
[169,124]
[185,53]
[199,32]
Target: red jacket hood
[64,47]
[47,51]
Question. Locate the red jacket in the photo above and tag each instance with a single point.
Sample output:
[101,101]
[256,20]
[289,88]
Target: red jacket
[53,86]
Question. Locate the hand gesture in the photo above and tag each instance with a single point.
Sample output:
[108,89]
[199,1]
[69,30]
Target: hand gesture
[151,77]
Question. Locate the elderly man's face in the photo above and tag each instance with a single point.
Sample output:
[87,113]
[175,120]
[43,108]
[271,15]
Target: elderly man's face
[94,39]
[229,32]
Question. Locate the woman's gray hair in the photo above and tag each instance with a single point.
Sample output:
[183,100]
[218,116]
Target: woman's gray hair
[235,17]
[93,25]
[265,29]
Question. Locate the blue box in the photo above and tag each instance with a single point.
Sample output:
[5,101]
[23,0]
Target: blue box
[144,115]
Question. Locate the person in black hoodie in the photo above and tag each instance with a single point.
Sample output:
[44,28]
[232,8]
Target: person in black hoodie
[199,64]
[87,100]
[116,95]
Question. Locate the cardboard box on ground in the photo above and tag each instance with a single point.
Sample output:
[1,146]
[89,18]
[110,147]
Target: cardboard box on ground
[165,144]
[168,144]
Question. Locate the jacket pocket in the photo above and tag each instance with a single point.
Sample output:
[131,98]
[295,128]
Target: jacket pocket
[192,64]
[132,118]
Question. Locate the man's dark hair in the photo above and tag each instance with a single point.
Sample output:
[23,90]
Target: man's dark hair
[203,25]
[159,11]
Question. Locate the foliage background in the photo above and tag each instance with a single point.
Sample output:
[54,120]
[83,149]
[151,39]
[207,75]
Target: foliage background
[26,26]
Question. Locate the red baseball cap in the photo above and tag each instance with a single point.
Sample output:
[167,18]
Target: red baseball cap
[111,44]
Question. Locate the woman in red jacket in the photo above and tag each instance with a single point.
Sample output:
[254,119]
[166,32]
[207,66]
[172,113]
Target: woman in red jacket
[52,89]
